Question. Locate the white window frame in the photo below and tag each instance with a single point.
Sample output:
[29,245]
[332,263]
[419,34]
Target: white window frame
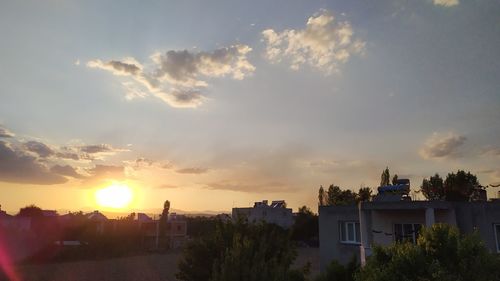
[344,225]
[414,236]
[497,234]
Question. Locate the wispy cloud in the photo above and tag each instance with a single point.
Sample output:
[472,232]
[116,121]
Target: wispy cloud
[4,133]
[325,43]
[192,171]
[178,77]
[446,3]
[442,145]
[490,151]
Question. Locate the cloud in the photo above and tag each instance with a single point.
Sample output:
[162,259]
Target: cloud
[127,67]
[177,77]
[100,170]
[4,133]
[167,186]
[446,3]
[97,151]
[490,151]
[251,187]
[442,145]
[325,43]
[105,172]
[97,148]
[65,170]
[192,171]
[16,166]
[39,148]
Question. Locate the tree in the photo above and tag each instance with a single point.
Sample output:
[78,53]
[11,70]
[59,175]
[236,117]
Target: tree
[395,179]
[385,177]
[164,218]
[321,196]
[460,186]
[441,253]
[240,251]
[364,194]
[433,188]
[336,196]
[31,211]
[305,227]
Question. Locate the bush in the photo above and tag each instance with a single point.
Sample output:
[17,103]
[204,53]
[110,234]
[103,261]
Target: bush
[441,253]
[241,252]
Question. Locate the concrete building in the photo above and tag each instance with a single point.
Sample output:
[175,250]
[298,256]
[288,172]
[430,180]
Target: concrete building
[347,231]
[276,213]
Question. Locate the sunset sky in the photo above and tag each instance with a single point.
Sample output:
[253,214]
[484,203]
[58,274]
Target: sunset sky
[215,104]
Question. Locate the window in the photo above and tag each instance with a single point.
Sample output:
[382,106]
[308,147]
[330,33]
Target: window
[349,232]
[496,228]
[406,232]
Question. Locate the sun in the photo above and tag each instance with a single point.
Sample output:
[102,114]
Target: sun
[115,196]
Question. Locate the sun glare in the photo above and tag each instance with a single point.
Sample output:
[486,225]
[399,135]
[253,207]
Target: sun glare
[114,196]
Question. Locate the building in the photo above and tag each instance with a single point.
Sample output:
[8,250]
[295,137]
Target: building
[276,213]
[347,231]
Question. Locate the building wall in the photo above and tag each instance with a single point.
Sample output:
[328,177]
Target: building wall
[330,247]
[381,216]
[480,217]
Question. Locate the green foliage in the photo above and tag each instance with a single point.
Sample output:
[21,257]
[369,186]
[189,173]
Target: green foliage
[240,251]
[305,227]
[364,194]
[441,253]
[458,186]
[337,197]
[385,177]
[337,272]
[199,226]
[433,188]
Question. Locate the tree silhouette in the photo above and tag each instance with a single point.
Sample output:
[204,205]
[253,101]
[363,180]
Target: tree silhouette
[460,186]
[31,211]
[385,177]
[321,196]
[395,179]
[433,188]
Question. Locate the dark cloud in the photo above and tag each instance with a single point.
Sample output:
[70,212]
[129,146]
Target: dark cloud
[4,133]
[18,167]
[184,66]
[117,67]
[65,170]
[442,145]
[124,67]
[68,155]
[39,148]
[96,148]
[192,171]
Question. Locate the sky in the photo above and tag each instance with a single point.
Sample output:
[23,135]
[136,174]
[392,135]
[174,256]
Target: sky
[217,104]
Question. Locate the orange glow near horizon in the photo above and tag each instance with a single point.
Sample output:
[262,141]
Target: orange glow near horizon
[115,196]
